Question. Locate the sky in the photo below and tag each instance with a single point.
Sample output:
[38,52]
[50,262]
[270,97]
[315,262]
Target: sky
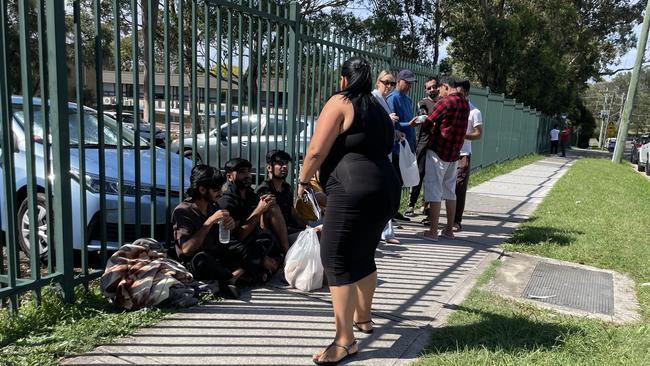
[627,60]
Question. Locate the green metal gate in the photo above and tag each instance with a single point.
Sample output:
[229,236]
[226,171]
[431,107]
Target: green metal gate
[219,78]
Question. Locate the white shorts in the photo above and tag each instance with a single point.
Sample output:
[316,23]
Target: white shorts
[439,179]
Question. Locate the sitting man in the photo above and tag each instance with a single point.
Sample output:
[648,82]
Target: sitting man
[196,233]
[257,219]
[277,169]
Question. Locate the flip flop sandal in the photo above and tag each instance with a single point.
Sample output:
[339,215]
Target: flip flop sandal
[331,363]
[426,237]
[356,326]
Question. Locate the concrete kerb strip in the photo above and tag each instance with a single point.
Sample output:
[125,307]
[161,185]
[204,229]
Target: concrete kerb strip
[516,270]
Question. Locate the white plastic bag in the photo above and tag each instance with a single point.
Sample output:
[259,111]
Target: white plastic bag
[302,267]
[408,165]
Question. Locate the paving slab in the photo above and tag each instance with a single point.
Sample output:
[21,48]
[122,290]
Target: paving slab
[419,282]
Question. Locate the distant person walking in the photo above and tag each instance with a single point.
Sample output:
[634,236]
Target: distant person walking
[474,132]
[565,134]
[555,137]
[350,146]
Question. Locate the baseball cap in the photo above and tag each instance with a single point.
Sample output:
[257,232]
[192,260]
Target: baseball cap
[406,75]
[236,164]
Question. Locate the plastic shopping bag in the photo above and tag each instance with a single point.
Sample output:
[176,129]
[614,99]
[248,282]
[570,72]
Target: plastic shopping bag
[408,165]
[302,267]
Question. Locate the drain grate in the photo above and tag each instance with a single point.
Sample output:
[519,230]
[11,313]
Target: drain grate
[575,288]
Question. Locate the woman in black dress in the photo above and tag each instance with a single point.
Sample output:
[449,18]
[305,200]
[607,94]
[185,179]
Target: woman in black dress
[350,146]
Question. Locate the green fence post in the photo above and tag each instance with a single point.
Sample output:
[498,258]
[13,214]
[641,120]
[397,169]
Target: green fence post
[58,85]
[293,87]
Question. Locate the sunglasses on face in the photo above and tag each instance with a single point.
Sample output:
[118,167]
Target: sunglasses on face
[388,82]
[432,88]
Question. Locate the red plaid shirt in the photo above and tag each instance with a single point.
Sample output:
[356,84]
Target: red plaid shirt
[448,123]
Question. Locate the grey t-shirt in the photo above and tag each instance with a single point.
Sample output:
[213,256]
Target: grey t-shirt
[187,219]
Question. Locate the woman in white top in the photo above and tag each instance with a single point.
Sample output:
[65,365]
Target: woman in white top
[384,86]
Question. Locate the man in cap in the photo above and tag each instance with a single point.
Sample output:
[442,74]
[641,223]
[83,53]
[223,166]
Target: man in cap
[401,104]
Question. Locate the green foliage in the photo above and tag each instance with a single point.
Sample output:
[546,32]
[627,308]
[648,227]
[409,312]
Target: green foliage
[42,335]
[593,215]
[413,28]
[540,52]
[616,90]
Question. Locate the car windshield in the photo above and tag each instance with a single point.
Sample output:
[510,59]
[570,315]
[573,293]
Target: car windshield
[276,127]
[241,125]
[91,128]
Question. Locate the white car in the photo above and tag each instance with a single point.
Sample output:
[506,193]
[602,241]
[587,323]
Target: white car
[643,162]
[264,134]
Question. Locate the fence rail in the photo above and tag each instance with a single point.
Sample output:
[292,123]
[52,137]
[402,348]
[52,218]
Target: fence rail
[238,78]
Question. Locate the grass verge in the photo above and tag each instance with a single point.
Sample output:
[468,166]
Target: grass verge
[597,214]
[42,335]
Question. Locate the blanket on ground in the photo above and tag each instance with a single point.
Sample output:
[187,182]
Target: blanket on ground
[140,275]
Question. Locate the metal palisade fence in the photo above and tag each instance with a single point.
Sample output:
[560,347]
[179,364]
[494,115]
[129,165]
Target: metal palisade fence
[105,106]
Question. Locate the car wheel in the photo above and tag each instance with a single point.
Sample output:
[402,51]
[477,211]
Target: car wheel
[41,230]
[639,167]
[647,165]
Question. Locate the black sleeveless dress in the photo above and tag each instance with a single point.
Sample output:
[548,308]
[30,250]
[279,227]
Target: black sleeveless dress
[363,193]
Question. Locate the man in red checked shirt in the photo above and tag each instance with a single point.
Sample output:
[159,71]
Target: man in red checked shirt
[448,126]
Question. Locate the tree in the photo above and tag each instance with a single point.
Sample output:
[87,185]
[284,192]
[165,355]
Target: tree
[414,28]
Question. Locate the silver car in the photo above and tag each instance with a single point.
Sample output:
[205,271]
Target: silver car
[244,136]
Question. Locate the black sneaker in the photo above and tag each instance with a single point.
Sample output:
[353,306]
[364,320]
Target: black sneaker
[409,212]
[399,216]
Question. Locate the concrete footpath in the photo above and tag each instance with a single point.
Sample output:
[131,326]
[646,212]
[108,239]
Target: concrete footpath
[420,283]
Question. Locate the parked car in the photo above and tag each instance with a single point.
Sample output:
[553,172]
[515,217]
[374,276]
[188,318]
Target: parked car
[272,134]
[611,144]
[92,180]
[128,121]
[643,162]
[637,142]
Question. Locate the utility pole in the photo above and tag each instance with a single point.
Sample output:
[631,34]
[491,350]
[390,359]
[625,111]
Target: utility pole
[631,91]
[604,119]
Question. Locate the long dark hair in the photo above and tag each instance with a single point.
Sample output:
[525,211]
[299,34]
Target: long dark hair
[204,176]
[357,71]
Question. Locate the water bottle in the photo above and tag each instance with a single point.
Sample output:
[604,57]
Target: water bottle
[224,234]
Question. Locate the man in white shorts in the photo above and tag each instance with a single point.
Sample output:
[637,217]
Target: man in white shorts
[448,125]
